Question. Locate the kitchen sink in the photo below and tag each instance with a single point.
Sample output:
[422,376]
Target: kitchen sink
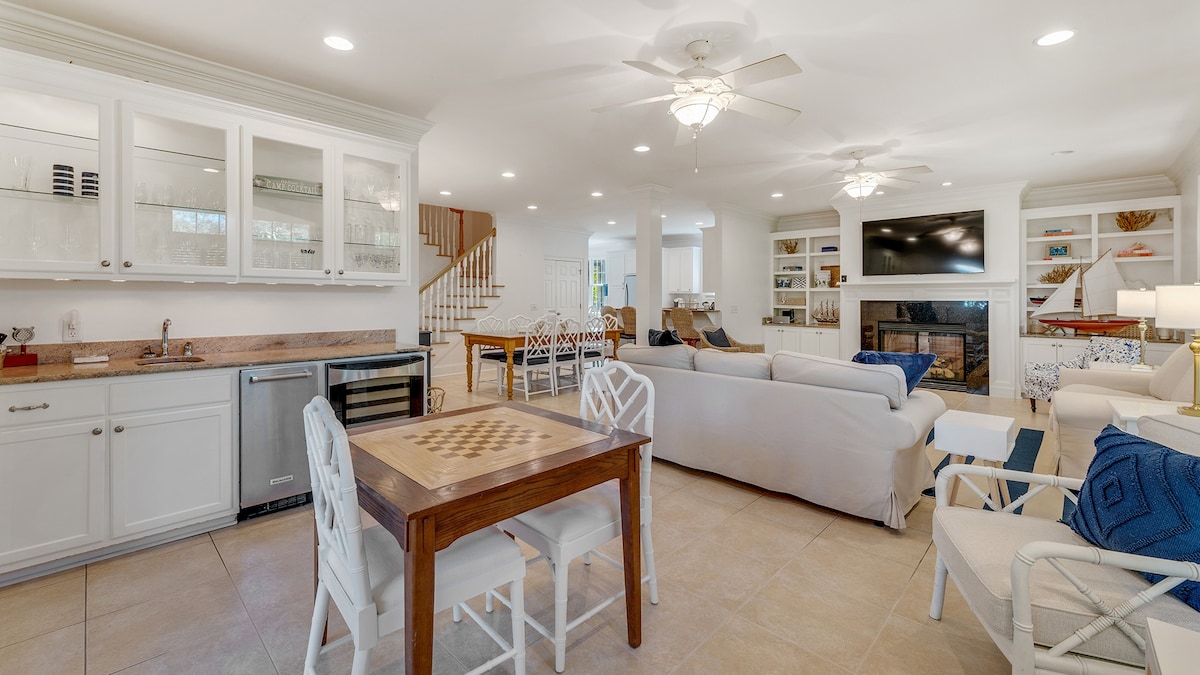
[163,360]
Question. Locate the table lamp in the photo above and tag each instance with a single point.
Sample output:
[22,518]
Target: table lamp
[1179,307]
[1137,304]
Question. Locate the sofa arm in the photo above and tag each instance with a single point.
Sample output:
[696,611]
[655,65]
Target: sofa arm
[1132,381]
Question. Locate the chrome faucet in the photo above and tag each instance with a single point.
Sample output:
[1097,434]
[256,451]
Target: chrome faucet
[166,322]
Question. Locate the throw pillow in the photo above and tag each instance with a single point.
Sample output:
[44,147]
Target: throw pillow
[717,338]
[914,365]
[1143,498]
[662,338]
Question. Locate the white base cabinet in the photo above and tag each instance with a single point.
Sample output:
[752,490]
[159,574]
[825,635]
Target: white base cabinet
[83,467]
[818,341]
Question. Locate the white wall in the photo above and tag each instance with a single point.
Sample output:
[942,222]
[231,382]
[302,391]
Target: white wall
[135,310]
[743,293]
[1186,174]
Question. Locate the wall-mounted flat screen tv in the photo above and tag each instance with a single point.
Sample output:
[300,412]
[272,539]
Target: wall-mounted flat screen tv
[945,243]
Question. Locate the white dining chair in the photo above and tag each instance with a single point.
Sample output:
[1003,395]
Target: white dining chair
[534,358]
[362,571]
[519,323]
[567,342]
[575,526]
[489,324]
[594,347]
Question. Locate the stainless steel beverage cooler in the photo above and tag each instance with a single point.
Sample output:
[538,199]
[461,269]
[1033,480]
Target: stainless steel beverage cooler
[377,389]
[274,455]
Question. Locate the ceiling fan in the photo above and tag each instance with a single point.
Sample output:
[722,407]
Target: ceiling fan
[860,180]
[701,93]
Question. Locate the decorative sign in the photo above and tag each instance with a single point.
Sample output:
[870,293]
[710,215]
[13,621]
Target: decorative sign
[301,187]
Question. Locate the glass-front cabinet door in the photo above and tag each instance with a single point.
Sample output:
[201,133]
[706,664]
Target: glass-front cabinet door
[54,183]
[374,235]
[180,214]
[289,208]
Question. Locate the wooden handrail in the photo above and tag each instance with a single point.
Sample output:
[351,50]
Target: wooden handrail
[457,260]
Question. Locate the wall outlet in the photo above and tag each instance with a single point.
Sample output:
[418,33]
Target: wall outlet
[532,308]
[733,309]
[72,328]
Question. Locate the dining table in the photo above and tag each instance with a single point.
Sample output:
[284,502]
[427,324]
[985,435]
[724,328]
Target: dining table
[510,342]
[430,480]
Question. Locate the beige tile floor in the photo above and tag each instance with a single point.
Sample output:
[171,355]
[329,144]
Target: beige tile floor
[750,582]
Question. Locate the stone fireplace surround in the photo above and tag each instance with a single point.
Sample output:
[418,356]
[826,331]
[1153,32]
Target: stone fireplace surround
[1002,332]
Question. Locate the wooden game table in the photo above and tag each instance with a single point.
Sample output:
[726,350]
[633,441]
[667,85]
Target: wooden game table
[511,342]
[430,480]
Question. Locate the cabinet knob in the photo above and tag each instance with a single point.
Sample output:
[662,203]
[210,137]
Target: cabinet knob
[97,431]
[126,264]
[327,271]
[105,263]
[341,271]
[118,428]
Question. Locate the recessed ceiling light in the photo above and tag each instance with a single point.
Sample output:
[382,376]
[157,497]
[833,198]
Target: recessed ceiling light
[508,174]
[339,43]
[910,239]
[699,222]
[1060,153]
[641,148]
[446,193]
[776,195]
[947,184]
[612,222]
[664,215]
[209,169]
[1057,37]
[879,192]
[597,194]
[532,207]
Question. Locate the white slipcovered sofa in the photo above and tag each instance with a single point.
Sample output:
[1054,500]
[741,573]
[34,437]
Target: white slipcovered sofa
[844,435]
[1079,410]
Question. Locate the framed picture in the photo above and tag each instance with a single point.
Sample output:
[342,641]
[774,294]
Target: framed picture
[1058,251]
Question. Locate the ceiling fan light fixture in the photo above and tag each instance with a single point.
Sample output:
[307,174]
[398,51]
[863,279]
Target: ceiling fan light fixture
[697,110]
[861,187]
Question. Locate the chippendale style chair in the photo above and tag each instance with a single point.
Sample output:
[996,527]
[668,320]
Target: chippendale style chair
[488,324]
[574,526]
[362,571]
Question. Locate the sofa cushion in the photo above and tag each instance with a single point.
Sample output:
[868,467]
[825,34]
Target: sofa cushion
[673,356]
[884,379]
[1143,498]
[914,365]
[663,338]
[1173,381]
[1178,432]
[979,546]
[717,337]
[738,364]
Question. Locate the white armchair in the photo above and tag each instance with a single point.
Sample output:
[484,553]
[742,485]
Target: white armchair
[1050,601]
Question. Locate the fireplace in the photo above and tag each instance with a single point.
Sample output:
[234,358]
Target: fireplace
[954,331]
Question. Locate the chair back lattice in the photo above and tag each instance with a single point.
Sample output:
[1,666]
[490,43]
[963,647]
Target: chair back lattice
[615,395]
[592,343]
[539,343]
[611,322]
[490,324]
[519,323]
[340,548]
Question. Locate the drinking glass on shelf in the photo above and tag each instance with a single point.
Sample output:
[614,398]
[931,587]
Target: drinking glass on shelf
[24,166]
[140,194]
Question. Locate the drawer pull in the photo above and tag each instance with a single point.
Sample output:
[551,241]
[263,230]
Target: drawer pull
[118,428]
[13,408]
[97,431]
[255,379]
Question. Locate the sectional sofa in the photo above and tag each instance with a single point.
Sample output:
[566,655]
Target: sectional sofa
[843,435]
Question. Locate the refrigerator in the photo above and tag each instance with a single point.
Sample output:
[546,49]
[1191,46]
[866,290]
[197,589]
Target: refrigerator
[630,290]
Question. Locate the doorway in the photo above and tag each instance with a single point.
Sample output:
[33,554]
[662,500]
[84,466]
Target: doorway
[563,284]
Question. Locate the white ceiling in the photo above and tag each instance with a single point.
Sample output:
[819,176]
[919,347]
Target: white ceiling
[958,86]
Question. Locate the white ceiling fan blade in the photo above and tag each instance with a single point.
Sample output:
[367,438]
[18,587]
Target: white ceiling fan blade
[755,107]
[655,71]
[642,101]
[897,182]
[767,69]
[821,185]
[905,170]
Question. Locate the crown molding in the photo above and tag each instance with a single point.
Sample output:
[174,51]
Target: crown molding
[809,221]
[956,198]
[33,32]
[1101,191]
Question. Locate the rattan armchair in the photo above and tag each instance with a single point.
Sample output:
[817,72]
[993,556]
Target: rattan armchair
[734,345]
[685,328]
[628,323]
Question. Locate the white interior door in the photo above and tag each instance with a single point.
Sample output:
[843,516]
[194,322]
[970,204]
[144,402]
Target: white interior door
[563,283]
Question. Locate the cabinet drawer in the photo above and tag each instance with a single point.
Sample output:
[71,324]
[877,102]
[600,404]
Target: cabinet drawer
[173,392]
[20,405]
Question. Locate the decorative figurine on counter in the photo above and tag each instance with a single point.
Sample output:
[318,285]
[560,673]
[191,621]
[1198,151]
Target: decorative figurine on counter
[22,336]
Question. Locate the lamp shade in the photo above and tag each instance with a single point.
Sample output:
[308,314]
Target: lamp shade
[861,188]
[696,109]
[1138,304]
[1177,307]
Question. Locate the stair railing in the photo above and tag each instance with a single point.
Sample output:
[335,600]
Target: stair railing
[448,298]
[442,227]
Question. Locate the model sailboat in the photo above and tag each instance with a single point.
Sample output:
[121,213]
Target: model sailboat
[1099,284]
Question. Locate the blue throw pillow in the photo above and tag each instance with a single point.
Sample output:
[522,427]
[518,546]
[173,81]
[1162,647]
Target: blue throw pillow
[914,365]
[1143,498]
[717,338]
[663,338]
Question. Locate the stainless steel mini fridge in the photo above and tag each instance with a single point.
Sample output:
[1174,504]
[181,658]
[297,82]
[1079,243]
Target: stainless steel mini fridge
[274,456]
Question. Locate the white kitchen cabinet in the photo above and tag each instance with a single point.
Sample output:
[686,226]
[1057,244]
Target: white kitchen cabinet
[781,338]
[89,466]
[52,489]
[682,269]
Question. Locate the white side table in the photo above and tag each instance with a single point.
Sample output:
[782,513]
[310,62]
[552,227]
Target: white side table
[1126,411]
[1170,649]
[990,438]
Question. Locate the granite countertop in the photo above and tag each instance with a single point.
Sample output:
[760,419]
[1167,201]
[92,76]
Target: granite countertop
[257,352]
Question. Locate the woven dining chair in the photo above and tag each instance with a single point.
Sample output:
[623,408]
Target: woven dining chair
[629,323]
[575,526]
[362,571]
[685,326]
